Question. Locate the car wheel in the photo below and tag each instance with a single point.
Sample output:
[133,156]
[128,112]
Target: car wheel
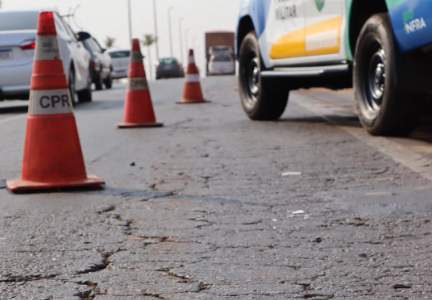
[98,81]
[262,99]
[72,89]
[86,95]
[108,82]
[383,109]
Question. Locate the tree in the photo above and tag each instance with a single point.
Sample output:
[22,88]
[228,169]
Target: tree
[109,41]
[147,42]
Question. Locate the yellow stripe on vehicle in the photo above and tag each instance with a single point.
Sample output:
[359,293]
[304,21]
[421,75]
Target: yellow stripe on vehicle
[319,39]
[291,45]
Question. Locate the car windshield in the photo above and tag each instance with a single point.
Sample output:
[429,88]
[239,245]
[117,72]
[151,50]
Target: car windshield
[222,58]
[120,54]
[167,61]
[19,20]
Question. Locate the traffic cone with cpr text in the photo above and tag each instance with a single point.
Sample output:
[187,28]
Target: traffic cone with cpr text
[53,157]
[139,112]
[192,92]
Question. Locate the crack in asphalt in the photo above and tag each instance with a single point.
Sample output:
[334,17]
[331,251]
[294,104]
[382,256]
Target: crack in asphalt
[93,292]
[25,279]
[107,210]
[310,296]
[156,296]
[100,266]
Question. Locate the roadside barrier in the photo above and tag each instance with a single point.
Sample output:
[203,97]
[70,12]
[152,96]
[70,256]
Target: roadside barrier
[53,156]
[192,93]
[139,112]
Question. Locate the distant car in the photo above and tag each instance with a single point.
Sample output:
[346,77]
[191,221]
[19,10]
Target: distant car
[101,63]
[120,63]
[18,31]
[222,64]
[221,50]
[169,68]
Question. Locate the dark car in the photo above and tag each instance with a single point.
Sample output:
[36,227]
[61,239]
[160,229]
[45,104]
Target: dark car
[101,64]
[169,68]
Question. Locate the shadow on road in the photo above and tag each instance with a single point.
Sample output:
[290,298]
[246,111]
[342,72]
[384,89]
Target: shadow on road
[423,131]
[13,110]
[98,105]
[352,121]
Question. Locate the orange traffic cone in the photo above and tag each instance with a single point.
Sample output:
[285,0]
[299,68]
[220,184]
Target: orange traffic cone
[192,92]
[139,110]
[52,155]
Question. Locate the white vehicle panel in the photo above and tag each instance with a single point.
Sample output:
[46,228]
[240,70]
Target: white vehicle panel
[304,32]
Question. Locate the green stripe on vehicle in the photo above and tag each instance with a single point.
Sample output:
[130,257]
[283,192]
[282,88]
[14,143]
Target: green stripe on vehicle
[390,4]
[349,50]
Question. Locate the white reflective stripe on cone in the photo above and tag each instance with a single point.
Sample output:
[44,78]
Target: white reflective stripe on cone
[50,102]
[137,84]
[191,60]
[192,78]
[47,48]
[136,56]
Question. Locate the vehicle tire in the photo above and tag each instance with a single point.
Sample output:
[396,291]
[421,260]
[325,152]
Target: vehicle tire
[72,89]
[383,109]
[262,99]
[98,81]
[108,82]
[86,95]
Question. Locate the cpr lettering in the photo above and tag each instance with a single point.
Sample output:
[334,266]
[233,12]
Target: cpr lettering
[52,101]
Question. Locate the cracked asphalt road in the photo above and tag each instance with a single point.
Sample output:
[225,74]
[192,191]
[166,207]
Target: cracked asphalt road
[199,209]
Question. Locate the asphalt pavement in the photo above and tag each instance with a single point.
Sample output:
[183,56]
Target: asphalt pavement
[215,206]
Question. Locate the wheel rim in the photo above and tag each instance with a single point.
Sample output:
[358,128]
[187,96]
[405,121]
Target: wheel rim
[252,80]
[376,76]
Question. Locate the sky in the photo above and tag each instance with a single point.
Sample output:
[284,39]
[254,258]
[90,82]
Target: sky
[102,19]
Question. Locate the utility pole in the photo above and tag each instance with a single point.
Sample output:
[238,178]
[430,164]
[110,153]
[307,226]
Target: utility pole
[170,31]
[156,28]
[130,22]
[187,39]
[181,40]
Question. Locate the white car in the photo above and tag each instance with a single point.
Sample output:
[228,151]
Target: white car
[120,63]
[222,64]
[18,30]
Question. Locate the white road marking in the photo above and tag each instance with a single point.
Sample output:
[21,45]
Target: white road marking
[12,118]
[408,158]
[286,174]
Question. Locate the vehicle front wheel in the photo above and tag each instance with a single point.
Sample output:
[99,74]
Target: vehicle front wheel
[383,109]
[262,99]
[72,89]
[86,95]
[98,81]
[108,82]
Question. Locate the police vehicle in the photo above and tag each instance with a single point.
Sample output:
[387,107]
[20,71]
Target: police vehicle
[382,48]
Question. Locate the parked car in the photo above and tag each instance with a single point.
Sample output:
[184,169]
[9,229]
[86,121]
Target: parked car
[222,64]
[381,48]
[18,30]
[120,63]
[100,64]
[169,68]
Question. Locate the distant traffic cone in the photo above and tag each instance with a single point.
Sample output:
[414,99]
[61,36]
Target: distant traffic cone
[192,93]
[52,154]
[139,110]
